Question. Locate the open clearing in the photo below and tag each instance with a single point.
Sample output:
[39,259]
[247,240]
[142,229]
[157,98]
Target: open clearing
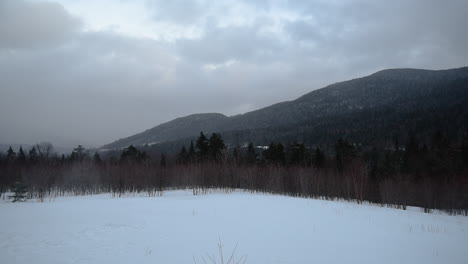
[178,226]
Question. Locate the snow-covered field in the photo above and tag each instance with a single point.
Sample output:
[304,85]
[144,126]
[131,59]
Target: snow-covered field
[178,226]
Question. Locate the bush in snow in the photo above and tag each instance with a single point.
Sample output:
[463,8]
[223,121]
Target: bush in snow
[20,191]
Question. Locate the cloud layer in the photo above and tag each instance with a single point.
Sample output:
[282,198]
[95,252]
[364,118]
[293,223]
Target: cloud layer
[90,72]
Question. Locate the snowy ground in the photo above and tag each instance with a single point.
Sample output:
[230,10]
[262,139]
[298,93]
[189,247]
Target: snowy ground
[178,226]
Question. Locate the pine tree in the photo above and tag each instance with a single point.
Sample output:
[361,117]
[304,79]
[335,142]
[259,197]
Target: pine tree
[372,158]
[79,153]
[203,147]
[319,158]
[21,156]
[20,191]
[132,154]
[298,154]
[275,154]
[388,166]
[280,154]
[216,147]
[11,155]
[33,156]
[191,152]
[464,151]
[411,155]
[345,152]
[162,162]
[97,158]
[143,157]
[251,156]
[182,157]
[235,154]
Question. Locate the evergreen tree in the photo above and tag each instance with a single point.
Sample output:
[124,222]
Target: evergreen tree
[440,157]
[412,156]
[389,166]
[33,156]
[133,154]
[20,190]
[203,147]
[345,152]
[319,158]
[216,147]
[251,156]
[191,152]
[11,155]
[21,156]
[298,154]
[280,154]
[464,151]
[396,143]
[373,158]
[73,156]
[182,157]
[162,162]
[235,154]
[275,154]
[79,153]
[97,158]
[412,146]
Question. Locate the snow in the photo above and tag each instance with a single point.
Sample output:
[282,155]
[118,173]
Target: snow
[178,226]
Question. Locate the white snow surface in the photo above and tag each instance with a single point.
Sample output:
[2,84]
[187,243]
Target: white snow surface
[178,226]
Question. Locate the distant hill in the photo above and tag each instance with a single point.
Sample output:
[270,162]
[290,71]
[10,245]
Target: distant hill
[375,109]
[178,128]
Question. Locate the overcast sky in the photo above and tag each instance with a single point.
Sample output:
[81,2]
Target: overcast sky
[89,72]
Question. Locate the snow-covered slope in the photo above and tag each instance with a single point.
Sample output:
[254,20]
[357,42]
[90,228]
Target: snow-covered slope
[178,226]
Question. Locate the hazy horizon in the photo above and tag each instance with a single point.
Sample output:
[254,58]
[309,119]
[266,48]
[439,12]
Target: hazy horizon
[90,72]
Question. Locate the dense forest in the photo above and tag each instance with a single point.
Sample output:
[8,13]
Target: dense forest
[432,174]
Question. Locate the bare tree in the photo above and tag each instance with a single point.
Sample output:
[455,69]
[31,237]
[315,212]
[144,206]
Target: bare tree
[45,149]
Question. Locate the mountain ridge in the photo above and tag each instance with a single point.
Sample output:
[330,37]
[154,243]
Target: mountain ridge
[385,88]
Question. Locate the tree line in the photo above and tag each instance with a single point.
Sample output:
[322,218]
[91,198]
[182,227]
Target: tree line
[433,175]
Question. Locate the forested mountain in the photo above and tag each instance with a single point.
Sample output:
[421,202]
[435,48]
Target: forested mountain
[377,109]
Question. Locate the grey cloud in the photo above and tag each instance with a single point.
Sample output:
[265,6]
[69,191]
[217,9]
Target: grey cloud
[220,44]
[392,34]
[73,87]
[95,89]
[29,25]
[302,30]
[176,11]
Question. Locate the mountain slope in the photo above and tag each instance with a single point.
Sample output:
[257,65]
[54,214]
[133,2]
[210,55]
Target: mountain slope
[175,129]
[389,99]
